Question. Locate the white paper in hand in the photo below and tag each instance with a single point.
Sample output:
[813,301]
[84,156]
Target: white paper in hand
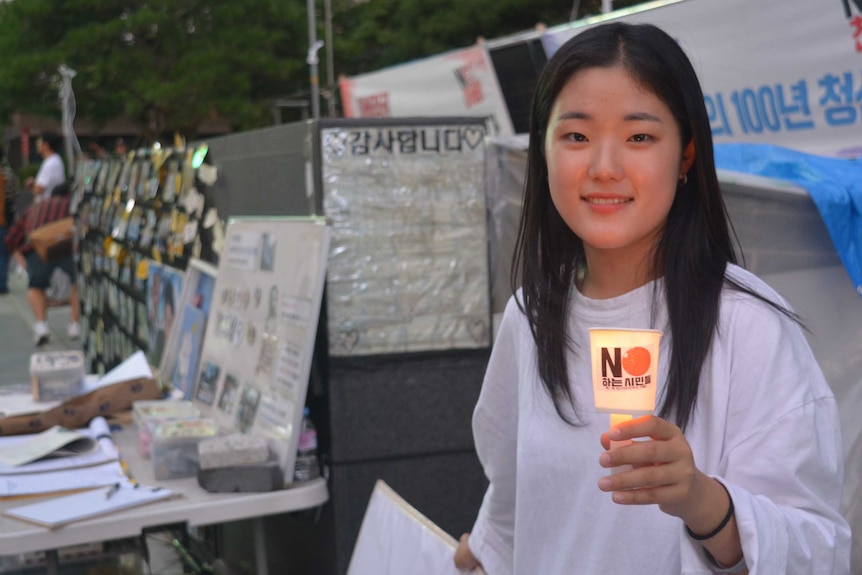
[395,539]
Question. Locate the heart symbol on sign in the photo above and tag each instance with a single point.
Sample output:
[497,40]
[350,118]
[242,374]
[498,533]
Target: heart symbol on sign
[474,136]
[478,330]
[349,339]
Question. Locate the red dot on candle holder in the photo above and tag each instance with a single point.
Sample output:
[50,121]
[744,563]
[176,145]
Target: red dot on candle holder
[636,361]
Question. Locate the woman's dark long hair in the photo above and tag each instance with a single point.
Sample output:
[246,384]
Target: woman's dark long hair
[695,244]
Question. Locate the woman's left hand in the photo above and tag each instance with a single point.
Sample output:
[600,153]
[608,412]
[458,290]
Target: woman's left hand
[663,473]
[663,469]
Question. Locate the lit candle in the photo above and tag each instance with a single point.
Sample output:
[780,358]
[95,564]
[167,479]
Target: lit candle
[625,374]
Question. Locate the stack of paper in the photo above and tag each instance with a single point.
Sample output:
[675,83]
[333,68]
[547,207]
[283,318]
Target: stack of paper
[60,511]
[59,460]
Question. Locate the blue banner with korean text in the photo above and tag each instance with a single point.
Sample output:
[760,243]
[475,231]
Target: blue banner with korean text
[782,72]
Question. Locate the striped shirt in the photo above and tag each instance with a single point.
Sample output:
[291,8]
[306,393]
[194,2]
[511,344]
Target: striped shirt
[52,209]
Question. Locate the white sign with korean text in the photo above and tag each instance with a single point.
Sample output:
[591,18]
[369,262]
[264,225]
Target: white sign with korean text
[457,83]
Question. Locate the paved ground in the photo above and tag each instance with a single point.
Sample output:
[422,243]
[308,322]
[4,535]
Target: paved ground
[16,333]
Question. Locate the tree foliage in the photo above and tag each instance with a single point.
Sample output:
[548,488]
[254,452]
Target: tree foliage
[169,64]
[380,33]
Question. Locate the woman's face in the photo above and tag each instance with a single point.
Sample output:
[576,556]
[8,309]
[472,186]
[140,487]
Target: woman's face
[614,158]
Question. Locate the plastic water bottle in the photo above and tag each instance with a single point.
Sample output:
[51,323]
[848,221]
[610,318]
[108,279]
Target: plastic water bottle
[307,463]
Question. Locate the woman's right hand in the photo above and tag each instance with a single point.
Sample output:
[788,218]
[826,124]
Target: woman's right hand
[464,558]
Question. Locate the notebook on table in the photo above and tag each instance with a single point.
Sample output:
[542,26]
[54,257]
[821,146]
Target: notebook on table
[57,449]
[59,511]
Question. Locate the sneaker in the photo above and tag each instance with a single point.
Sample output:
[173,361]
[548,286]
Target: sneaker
[74,330]
[42,334]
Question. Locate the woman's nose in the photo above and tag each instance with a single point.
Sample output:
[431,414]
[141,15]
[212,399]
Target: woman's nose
[605,162]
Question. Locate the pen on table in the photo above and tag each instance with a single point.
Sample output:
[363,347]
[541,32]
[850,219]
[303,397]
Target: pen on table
[110,492]
[127,472]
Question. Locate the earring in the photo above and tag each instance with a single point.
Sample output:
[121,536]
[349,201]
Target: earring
[684,179]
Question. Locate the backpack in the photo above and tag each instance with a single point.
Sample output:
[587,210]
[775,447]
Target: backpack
[8,194]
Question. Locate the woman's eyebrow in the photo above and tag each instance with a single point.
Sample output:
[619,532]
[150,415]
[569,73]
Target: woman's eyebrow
[641,116]
[574,116]
[633,117]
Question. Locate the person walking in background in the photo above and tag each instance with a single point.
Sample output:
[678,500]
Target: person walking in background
[740,469]
[120,147]
[52,172]
[40,271]
[8,196]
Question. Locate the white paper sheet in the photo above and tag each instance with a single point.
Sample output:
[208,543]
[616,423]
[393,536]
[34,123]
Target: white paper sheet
[62,510]
[98,429]
[23,404]
[60,481]
[395,539]
[134,367]
[56,439]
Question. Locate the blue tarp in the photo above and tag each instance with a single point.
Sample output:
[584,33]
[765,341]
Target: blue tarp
[834,184]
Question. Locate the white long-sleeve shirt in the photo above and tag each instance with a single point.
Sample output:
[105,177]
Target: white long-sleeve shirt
[766,426]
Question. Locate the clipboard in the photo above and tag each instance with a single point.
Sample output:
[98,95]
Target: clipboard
[59,511]
[396,538]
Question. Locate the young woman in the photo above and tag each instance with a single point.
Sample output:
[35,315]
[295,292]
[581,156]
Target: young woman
[623,225]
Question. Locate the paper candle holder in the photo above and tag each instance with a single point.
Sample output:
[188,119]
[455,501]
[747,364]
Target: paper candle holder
[625,369]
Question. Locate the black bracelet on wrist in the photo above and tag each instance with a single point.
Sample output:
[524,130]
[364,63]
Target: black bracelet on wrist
[721,525]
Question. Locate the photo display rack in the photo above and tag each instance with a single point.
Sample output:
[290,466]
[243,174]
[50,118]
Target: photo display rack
[131,211]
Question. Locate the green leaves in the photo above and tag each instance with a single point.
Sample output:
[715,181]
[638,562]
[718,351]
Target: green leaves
[168,64]
[171,64]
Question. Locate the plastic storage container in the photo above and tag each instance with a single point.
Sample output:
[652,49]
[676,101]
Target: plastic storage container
[147,415]
[57,374]
[175,447]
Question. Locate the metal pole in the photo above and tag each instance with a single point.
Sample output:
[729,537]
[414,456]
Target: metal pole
[68,105]
[330,66]
[607,6]
[576,8]
[313,47]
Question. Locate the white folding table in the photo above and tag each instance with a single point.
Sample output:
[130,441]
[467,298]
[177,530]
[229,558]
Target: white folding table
[194,507]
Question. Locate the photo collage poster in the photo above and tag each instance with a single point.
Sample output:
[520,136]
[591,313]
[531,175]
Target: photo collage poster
[164,286]
[259,339]
[182,351]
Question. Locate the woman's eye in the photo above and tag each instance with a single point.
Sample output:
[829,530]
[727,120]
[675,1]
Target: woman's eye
[641,138]
[576,137]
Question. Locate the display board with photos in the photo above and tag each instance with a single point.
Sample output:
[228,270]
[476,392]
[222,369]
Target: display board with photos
[131,210]
[182,348]
[259,338]
[164,286]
